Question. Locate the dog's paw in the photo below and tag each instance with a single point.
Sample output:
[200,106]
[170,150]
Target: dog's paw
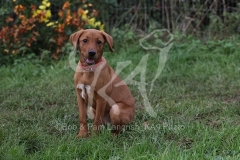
[116,131]
[84,134]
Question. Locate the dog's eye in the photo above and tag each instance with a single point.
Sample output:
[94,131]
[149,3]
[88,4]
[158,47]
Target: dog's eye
[85,40]
[99,42]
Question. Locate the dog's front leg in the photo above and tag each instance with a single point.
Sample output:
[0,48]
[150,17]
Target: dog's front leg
[83,131]
[100,110]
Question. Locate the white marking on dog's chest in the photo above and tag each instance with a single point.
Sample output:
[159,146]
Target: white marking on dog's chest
[81,86]
[85,88]
[88,88]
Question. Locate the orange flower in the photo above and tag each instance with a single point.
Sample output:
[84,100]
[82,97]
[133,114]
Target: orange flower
[33,7]
[80,11]
[68,12]
[66,5]
[19,8]
[32,20]
[60,28]
[28,44]
[68,19]
[9,19]
[22,16]
[36,33]
[59,40]
[15,9]
[33,38]
[30,27]
[60,13]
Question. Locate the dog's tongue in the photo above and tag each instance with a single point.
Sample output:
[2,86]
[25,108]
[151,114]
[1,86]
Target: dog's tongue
[90,61]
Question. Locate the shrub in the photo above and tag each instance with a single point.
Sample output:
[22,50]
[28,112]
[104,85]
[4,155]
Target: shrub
[33,30]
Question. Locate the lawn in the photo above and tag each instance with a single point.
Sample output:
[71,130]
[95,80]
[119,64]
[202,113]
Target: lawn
[196,99]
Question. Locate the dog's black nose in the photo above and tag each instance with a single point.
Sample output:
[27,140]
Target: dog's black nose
[91,53]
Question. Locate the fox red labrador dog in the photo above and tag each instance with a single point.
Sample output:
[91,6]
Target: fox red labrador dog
[98,87]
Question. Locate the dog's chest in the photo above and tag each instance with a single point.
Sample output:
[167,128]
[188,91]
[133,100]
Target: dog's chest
[87,93]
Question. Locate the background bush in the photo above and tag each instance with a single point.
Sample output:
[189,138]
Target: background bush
[42,28]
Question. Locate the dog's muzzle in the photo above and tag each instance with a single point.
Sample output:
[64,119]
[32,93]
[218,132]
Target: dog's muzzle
[91,55]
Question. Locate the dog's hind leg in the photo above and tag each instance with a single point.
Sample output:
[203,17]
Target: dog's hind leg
[120,115]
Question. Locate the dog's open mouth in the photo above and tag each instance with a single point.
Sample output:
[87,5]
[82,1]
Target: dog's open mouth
[89,61]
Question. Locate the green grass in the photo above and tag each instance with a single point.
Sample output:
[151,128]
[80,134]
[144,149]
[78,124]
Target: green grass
[197,100]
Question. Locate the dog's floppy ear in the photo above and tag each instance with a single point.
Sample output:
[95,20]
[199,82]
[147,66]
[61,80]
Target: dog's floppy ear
[75,37]
[109,40]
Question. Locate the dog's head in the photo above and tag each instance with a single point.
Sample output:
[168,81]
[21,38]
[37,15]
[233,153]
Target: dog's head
[90,43]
